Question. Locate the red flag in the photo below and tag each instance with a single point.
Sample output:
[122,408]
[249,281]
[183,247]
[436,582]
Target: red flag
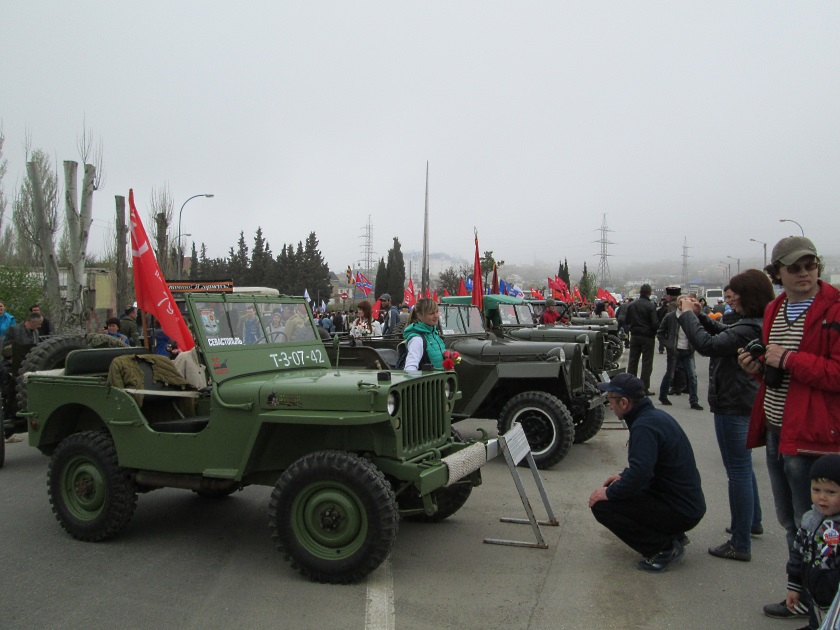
[408,294]
[462,287]
[578,296]
[553,284]
[494,285]
[435,296]
[563,286]
[428,293]
[153,295]
[374,310]
[537,295]
[446,293]
[477,291]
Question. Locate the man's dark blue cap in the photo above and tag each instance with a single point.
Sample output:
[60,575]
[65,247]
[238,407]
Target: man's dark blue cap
[626,385]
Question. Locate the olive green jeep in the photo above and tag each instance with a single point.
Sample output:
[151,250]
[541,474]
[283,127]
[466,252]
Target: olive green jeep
[540,385]
[347,451]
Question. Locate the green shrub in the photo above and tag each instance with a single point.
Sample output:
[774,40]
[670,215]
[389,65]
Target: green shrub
[20,289]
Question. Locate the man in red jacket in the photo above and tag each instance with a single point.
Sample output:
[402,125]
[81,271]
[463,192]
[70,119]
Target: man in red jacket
[797,411]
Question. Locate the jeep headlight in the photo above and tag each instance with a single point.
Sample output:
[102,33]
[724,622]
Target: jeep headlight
[449,388]
[393,403]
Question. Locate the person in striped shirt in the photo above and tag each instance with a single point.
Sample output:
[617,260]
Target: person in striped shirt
[796,414]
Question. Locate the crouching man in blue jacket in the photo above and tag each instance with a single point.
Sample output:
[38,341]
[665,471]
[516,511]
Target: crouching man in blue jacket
[657,498]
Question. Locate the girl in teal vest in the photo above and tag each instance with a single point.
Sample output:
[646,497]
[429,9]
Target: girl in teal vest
[421,333]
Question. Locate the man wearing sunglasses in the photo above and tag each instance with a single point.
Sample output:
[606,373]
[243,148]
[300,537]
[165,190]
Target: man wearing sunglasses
[797,416]
[657,497]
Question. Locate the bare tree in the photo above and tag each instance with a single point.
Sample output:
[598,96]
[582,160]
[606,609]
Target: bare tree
[44,228]
[6,236]
[28,245]
[78,230]
[159,220]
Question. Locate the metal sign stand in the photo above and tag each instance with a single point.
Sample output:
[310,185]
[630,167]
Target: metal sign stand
[515,447]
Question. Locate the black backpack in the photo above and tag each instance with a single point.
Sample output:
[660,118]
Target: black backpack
[402,355]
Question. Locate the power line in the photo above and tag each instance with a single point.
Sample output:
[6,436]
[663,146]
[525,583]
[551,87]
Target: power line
[604,279]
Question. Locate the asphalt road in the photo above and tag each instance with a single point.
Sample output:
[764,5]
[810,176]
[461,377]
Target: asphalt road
[186,562]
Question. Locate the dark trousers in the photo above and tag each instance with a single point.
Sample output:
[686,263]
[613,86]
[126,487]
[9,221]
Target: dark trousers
[644,523]
[641,347]
[684,358]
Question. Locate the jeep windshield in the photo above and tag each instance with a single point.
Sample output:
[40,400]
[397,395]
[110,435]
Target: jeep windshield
[516,315]
[461,320]
[238,323]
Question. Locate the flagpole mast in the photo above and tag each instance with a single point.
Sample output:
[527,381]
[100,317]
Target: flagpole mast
[424,273]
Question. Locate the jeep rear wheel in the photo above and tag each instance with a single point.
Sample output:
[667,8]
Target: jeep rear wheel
[449,500]
[92,497]
[587,427]
[547,423]
[334,515]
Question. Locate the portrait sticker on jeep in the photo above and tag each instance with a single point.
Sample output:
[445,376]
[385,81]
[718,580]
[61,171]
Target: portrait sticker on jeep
[299,358]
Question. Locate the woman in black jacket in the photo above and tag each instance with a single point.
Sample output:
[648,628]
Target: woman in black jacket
[731,396]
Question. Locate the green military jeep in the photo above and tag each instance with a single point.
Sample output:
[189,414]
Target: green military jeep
[540,385]
[347,451]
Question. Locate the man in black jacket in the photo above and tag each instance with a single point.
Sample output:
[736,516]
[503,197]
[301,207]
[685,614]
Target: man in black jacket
[643,323]
[657,497]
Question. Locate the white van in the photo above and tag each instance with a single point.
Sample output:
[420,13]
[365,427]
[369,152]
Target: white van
[713,295]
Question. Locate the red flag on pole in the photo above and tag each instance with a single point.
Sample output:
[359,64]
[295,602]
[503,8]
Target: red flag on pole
[477,290]
[446,293]
[435,296]
[153,295]
[374,310]
[462,287]
[408,294]
[495,283]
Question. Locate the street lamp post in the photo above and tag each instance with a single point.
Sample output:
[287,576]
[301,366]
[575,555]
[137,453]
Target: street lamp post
[765,249]
[792,221]
[180,212]
[738,260]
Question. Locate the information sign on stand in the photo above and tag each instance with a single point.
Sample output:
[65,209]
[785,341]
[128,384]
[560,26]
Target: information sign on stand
[515,447]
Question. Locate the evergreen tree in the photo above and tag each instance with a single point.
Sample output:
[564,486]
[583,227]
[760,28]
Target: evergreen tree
[587,284]
[487,262]
[316,271]
[396,273]
[262,261]
[195,270]
[563,273]
[380,283]
[285,270]
[239,270]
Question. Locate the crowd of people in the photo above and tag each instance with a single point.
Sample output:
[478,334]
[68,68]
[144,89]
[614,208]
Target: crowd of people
[774,382]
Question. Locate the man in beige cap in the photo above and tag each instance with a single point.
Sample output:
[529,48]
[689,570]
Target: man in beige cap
[796,414]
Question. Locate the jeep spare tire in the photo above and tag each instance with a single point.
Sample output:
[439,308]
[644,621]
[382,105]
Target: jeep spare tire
[51,354]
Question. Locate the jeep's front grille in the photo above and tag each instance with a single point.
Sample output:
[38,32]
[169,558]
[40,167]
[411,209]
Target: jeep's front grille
[424,420]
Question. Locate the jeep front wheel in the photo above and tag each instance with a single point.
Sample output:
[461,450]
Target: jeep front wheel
[92,497]
[334,515]
[547,423]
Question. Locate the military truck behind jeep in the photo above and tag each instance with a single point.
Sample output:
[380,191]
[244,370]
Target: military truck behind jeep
[346,451]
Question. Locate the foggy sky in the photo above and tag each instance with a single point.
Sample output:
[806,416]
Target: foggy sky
[701,123]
